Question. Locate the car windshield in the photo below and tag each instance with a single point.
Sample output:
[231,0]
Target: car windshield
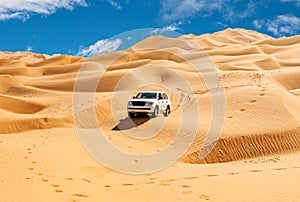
[144,95]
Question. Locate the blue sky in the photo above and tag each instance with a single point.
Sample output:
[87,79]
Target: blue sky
[86,27]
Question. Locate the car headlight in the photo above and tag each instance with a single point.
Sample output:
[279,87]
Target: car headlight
[129,103]
[149,104]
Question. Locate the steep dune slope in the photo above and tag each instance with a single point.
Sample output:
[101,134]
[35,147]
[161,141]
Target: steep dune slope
[25,103]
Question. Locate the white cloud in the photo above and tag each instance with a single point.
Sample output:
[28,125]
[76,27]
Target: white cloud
[248,12]
[29,48]
[101,46]
[282,25]
[258,24]
[173,27]
[221,24]
[23,9]
[115,4]
[175,10]
[296,2]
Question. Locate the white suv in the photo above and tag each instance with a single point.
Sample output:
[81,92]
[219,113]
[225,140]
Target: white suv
[149,102]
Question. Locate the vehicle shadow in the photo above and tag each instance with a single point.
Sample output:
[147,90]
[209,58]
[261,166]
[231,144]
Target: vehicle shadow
[128,123]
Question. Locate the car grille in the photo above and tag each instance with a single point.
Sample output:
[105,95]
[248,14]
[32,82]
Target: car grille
[138,103]
[136,108]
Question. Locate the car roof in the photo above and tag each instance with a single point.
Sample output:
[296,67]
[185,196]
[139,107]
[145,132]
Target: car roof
[151,92]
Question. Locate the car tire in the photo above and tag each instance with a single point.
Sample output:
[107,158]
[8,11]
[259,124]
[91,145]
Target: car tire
[130,114]
[155,112]
[167,112]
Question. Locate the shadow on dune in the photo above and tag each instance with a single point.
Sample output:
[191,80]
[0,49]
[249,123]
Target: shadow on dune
[129,123]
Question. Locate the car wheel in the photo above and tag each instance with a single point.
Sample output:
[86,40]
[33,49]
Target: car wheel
[130,114]
[155,112]
[167,112]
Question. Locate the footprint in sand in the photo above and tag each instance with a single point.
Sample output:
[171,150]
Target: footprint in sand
[69,178]
[185,186]
[233,173]
[85,180]
[150,182]
[204,196]
[81,195]
[242,110]
[279,168]
[169,180]
[212,175]
[127,184]
[255,171]
[261,94]
[191,178]
[58,191]
[252,101]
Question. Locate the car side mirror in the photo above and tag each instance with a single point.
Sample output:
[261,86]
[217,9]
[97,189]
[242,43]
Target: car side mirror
[160,98]
[133,97]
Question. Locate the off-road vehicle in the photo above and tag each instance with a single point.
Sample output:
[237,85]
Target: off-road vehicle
[151,103]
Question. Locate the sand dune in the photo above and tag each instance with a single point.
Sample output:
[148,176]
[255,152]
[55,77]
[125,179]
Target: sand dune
[260,82]
[23,56]
[261,79]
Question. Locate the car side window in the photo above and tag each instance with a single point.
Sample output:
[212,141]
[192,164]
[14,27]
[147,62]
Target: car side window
[165,96]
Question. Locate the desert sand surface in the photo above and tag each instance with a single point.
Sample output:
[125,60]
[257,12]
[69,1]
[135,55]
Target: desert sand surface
[256,158]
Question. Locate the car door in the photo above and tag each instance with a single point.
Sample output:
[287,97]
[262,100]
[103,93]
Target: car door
[161,102]
[166,101]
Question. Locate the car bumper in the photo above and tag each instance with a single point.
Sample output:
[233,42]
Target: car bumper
[140,109]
